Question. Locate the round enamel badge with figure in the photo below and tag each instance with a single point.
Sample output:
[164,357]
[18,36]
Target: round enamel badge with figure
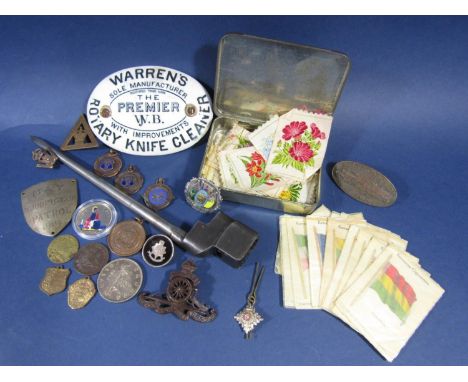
[94,219]
[149,110]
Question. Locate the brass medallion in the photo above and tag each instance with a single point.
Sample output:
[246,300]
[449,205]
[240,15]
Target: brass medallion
[49,206]
[62,249]
[80,137]
[54,281]
[80,293]
[108,165]
[129,181]
[127,237]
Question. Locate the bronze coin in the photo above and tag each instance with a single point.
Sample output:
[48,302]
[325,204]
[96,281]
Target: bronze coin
[127,238]
[90,259]
[364,183]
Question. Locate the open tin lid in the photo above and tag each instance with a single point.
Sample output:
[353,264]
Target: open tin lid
[258,77]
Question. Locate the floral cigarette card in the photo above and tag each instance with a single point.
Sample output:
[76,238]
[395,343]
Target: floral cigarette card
[236,138]
[299,144]
[262,137]
[247,170]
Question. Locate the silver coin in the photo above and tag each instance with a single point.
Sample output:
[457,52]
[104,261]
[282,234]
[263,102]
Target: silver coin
[120,280]
[364,183]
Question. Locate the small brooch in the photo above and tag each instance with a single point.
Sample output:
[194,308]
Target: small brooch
[248,317]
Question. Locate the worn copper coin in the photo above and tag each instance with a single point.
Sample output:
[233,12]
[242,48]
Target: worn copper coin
[80,293]
[364,183]
[62,249]
[90,259]
[54,281]
[120,280]
[127,237]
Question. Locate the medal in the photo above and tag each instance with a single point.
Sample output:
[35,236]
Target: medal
[127,237]
[129,181]
[120,280]
[158,195]
[202,195]
[94,219]
[180,297]
[91,258]
[62,249]
[108,165]
[248,318]
[54,281]
[80,293]
[158,250]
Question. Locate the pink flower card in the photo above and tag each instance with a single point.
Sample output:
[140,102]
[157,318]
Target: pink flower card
[299,144]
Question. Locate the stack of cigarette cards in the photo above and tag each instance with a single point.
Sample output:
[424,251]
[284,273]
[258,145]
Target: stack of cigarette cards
[277,159]
[356,271]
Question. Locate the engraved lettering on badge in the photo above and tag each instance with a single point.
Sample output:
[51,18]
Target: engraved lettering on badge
[146,111]
[48,206]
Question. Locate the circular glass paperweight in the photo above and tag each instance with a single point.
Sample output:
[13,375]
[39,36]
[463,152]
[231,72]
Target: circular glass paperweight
[94,219]
[203,195]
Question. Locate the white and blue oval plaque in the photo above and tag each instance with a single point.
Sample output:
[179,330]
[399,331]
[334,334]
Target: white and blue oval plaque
[149,110]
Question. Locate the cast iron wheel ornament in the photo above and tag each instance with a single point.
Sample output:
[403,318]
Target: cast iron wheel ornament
[180,297]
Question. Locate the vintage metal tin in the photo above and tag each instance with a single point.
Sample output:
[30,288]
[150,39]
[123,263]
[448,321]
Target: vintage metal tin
[257,78]
[149,110]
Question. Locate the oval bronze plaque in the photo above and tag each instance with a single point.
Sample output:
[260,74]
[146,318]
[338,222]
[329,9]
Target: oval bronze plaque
[149,110]
[49,206]
[364,183]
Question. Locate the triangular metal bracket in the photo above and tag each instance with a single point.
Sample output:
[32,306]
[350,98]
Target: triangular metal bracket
[80,137]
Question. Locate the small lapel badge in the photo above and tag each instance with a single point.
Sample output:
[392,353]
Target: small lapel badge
[80,137]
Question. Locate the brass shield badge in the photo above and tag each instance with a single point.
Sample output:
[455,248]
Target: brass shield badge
[80,293]
[54,281]
[48,206]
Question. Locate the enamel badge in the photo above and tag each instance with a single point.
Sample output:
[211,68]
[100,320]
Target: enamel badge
[48,206]
[149,110]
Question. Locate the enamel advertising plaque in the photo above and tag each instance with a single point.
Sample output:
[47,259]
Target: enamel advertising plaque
[149,110]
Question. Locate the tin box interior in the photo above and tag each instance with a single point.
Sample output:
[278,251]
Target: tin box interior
[257,78]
